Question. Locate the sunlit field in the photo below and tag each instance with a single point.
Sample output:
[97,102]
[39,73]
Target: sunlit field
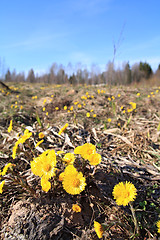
[79,162]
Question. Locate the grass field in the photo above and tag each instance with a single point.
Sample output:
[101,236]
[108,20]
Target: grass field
[122,123]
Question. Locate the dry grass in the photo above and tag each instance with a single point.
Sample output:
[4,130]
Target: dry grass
[129,146]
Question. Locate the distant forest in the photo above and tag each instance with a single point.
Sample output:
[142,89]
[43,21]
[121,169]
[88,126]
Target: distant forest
[57,75]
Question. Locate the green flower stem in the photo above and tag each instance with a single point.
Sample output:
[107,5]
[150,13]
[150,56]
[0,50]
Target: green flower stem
[134,218]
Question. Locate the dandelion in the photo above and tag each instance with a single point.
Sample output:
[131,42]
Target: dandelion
[113,97]
[38,143]
[45,184]
[46,113]
[56,108]
[87,93]
[99,91]
[69,158]
[109,99]
[119,95]
[71,108]
[79,106]
[21,107]
[149,96]
[52,95]
[109,120]
[85,150]
[10,126]
[41,135]
[157,91]
[76,208]
[73,182]
[63,129]
[65,107]
[138,94]
[158,226]
[22,139]
[91,110]
[75,103]
[88,114]
[98,229]
[44,164]
[44,109]
[133,105]
[1,186]
[94,115]
[124,193]
[94,159]
[122,107]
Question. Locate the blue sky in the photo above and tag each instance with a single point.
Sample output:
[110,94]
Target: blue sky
[35,34]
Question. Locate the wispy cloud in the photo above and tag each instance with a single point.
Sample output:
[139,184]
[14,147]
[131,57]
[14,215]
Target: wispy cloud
[90,7]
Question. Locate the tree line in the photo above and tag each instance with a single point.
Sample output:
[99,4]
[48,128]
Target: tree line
[117,76]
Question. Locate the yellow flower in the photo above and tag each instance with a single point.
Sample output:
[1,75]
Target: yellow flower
[157,91]
[158,226]
[118,95]
[45,184]
[133,105]
[94,159]
[44,164]
[46,113]
[138,94]
[88,114]
[98,229]
[44,109]
[22,139]
[10,126]
[71,108]
[109,99]
[76,208]
[113,97]
[44,101]
[41,135]
[38,143]
[69,158]
[61,177]
[91,110]
[73,181]
[149,96]
[56,108]
[122,107]
[79,106]
[5,169]
[109,120]
[1,186]
[124,193]
[85,150]
[21,107]
[98,91]
[63,129]
[94,115]
[75,103]
[65,107]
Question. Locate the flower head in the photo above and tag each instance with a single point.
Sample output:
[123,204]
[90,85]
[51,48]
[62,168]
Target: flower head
[41,135]
[46,185]
[98,229]
[76,208]
[69,158]
[73,181]
[63,129]
[124,193]
[94,159]
[44,164]
[158,226]
[85,150]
